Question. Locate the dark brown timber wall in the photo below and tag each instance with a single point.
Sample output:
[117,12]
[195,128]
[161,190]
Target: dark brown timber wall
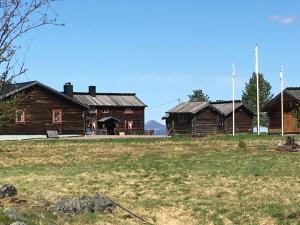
[38,104]
[274,115]
[243,122]
[206,122]
[137,117]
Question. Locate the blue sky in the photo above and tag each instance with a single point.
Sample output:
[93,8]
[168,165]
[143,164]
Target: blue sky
[163,49]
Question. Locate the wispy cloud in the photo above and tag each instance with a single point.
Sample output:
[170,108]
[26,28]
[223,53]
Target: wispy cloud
[283,20]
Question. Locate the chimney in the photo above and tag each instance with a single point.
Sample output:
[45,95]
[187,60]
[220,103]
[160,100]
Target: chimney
[68,89]
[92,91]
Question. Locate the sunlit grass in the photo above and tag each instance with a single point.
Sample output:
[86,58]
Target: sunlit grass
[168,181]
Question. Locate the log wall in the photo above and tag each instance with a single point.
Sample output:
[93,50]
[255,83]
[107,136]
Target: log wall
[38,104]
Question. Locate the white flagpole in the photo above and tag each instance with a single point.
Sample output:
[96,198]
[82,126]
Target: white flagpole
[281,82]
[233,103]
[257,90]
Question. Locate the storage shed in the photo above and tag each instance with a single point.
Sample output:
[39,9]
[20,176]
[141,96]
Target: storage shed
[202,118]
[291,100]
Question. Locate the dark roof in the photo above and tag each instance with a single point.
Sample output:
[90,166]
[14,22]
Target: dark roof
[294,92]
[18,87]
[104,119]
[226,107]
[14,88]
[109,99]
[188,107]
[223,107]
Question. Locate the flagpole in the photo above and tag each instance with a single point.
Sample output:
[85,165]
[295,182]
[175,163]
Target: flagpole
[233,102]
[281,82]
[257,90]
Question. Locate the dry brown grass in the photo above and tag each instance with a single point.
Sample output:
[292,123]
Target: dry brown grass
[172,181]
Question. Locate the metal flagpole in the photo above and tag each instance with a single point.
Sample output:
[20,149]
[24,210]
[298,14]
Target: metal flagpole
[257,90]
[233,103]
[281,82]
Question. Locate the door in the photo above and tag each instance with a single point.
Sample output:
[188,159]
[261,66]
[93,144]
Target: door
[290,123]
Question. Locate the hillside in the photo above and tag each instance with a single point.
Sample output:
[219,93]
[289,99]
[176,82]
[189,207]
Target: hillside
[159,129]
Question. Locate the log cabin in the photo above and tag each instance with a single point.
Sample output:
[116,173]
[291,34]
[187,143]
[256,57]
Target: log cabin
[202,118]
[111,113]
[42,108]
[291,100]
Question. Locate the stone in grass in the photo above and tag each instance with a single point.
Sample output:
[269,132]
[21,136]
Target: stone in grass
[7,190]
[14,215]
[18,223]
[85,204]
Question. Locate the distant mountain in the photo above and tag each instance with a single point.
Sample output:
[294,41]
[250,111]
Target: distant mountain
[159,129]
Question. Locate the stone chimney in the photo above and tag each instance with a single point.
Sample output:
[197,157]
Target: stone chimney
[92,91]
[68,89]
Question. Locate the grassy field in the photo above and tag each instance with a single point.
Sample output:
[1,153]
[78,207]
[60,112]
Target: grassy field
[213,180]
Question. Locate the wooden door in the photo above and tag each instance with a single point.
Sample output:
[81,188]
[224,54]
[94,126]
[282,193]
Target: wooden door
[290,123]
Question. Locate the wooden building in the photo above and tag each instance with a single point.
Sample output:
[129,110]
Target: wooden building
[42,108]
[291,99]
[111,113]
[202,118]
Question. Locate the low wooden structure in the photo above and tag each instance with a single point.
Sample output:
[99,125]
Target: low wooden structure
[291,100]
[202,118]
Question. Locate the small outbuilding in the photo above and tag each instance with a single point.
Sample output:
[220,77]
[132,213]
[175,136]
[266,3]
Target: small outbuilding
[291,101]
[202,118]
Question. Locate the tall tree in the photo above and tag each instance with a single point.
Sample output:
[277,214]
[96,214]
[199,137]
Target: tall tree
[198,96]
[18,17]
[249,95]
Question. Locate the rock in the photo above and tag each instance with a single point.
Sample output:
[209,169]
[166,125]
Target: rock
[7,190]
[86,204]
[14,215]
[18,223]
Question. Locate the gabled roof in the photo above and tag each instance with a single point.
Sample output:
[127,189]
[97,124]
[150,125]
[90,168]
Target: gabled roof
[294,92]
[18,87]
[109,99]
[222,107]
[104,119]
[225,107]
[189,107]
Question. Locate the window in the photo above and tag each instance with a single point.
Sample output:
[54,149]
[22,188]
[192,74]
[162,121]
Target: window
[105,111]
[128,125]
[128,111]
[57,116]
[20,116]
[93,111]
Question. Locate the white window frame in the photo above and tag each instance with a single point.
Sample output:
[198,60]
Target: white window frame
[60,116]
[128,111]
[22,116]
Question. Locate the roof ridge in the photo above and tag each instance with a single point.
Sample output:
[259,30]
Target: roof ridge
[292,88]
[225,101]
[104,93]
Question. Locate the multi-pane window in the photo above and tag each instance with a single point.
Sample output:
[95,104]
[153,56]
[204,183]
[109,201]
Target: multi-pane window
[128,125]
[128,111]
[57,116]
[20,116]
[105,111]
